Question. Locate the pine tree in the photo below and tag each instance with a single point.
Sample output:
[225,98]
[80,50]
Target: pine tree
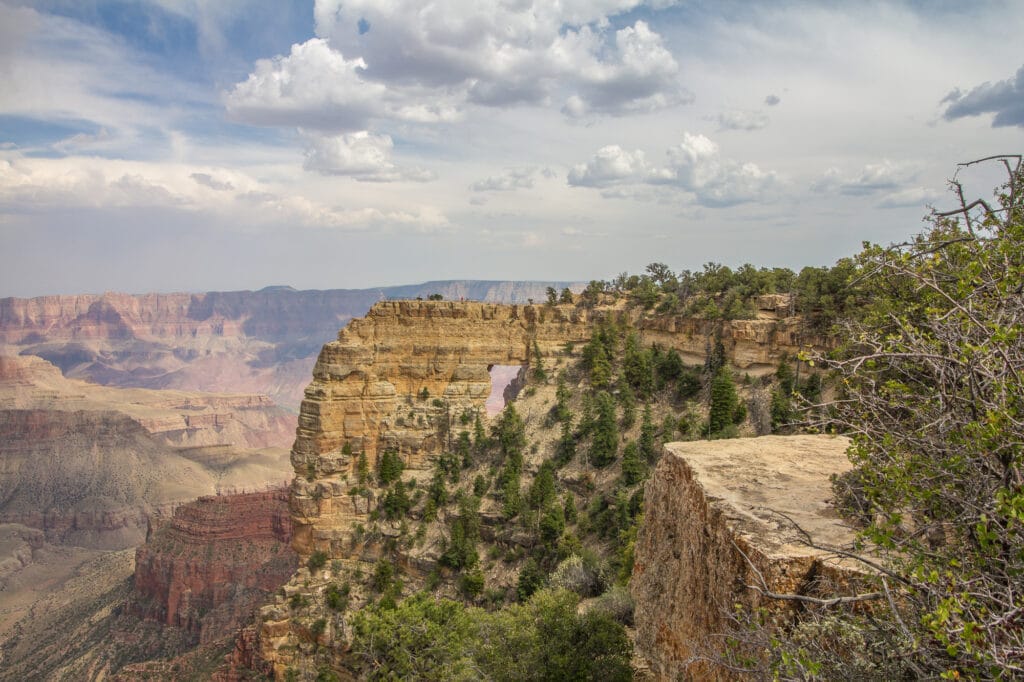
[605,442]
[647,437]
[632,466]
[724,402]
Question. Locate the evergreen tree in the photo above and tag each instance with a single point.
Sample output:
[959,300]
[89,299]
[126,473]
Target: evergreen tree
[542,489]
[647,437]
[724,402]
[463,450]
[632,466]
[565,448]
[539,374]
[362,469]
[605,442]
[389,467]
[562,397]
[552,524]
[569,508]
[637,367]
[531,578]
[512,500]
[510,432]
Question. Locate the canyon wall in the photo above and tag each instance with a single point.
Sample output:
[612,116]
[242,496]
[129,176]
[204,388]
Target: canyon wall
[387,381]
[87,464]
[393,375]
[241,341]
[718,520]
[213,562]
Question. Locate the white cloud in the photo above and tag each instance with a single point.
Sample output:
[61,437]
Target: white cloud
[32,185]
[513,179]
[873,178]
[695,166]
[911,196]
[455,54]
[609,166]
[742,120]
[362,155]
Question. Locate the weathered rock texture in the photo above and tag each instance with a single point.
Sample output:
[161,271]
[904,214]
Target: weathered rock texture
[214,562]
[87,464]
[241,341]
[707,505]
[176,418]
[367,387]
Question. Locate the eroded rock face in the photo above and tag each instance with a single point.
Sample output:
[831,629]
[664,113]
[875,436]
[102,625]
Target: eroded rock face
[388,381]
[214,562]
[239,341]
[707,505]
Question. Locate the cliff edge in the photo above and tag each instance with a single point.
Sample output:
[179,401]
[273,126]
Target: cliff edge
[715,518]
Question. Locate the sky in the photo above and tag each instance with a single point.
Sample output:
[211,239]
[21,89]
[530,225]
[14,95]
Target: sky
[186,145]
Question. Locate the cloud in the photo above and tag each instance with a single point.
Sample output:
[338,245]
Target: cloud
[742,120]
[208,180]
[643,77]
[772,100]
[491,53]
[513,179]
[911,196]
[871,179]
[39,185]
[361,155]
[695,166]
[1004,98]
[611,165]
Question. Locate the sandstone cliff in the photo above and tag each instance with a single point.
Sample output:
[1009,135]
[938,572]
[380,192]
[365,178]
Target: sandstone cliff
[713,521]
[197,583]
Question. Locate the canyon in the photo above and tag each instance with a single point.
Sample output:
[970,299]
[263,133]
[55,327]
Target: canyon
[214,589]
[258,342]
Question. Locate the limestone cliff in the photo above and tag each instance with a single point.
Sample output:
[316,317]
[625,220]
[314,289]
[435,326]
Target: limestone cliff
[713,521]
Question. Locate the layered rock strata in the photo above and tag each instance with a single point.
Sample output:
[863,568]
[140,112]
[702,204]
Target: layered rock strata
[216,559]
[389,380]
[720,517]
[240,341]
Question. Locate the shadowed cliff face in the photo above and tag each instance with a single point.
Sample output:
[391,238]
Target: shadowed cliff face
[87,463]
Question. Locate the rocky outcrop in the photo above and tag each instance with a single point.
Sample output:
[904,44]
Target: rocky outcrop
[206,570]
[717,516]
[387,382]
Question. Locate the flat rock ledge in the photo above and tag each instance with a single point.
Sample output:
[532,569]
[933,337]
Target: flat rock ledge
[716,516]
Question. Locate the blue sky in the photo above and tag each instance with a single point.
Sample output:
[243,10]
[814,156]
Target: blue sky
[166,145]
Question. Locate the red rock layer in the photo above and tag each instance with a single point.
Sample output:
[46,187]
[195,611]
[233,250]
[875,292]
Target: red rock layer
[214,562]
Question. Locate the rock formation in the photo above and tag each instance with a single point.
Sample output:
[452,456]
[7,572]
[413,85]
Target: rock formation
[715,517]
[241,341]
[219,550]
[392,375]
[87,464]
